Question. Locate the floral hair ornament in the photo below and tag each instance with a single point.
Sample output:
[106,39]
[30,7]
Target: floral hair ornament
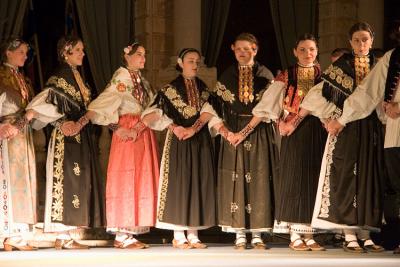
[15,43]
[129,48]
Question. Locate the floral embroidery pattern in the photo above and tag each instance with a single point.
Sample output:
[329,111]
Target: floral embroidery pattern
[76,169]
[326,188]
[337,74]
[164,176]
[177,101]
[76,202]
[58,177]
[121,87]
[68,88]
[224,93]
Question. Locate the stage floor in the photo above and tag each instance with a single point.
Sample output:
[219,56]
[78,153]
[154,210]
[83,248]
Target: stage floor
[215,255]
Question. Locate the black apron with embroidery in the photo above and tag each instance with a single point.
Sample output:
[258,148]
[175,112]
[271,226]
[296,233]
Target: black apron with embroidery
[245,173]
[78,186]
[352,194]
[187,195]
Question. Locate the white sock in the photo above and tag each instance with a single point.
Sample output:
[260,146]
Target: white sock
[192,236]
[364,235]
[296,238]
[64,235]
[350,236]
[256,237]
[179,235]
[121,236]
[309,239]
[240,237]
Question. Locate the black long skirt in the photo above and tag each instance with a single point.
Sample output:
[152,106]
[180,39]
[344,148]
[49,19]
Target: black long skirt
[299,168]
[245,181]
[77,197]
[187,182]
[352,187]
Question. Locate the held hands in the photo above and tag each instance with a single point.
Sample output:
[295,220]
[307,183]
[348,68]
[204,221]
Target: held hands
[8,131]
[286,128]
[183,133]
[235,138]
[392,109]
[126,134]
[70,128]
[334,127]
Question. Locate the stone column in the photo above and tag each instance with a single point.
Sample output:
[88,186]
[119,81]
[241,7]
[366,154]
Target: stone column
[337,16]
[335,19]
[186,33]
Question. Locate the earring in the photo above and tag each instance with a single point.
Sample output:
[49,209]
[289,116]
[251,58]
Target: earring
[66,58]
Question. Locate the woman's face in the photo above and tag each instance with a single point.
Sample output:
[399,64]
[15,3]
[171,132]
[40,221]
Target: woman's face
[306,52]
[18,56]
[136,60]
[190,64]
[361,42]
[244,52]
[76,56]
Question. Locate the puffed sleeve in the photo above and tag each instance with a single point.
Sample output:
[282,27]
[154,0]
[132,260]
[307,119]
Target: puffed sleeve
[2,99]
[162,123]
[106,105]
[317,104]
[270,105]
[46,112]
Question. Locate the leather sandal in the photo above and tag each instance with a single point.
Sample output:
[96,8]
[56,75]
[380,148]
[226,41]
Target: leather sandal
[373,247]
[181,245]
[69,244]
[314,246]
[9,246]
[299,247]
[125,245]
[197,244]
[143,244]
[356,249]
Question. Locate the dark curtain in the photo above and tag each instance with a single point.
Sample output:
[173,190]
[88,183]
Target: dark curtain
[214,14]
[11,16]
[107,27]
[292,18]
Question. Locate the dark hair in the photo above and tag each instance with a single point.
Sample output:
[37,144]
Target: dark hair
[183,53]
[245,36]
[131,49]
[337,52]
[305,37]
[65,44]
[10,44]
[361,26]
[395,32]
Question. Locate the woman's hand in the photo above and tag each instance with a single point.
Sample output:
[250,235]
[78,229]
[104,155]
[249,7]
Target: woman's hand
[70,128]
[125,134]
[8,131]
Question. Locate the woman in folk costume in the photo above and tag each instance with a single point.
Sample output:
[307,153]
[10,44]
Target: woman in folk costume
[186,199]
[301,153]
[247,159]
[382,84]
[17,156]
[74,185]
[133,168]
[349,194]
